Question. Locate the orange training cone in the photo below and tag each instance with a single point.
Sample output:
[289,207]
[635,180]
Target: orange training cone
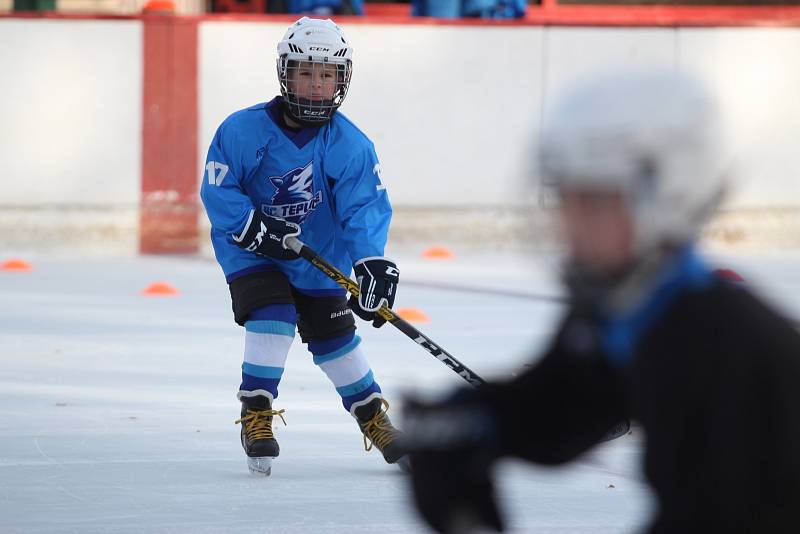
[16,264]
[413,315]
[159,7]
[160,289]
[438,253]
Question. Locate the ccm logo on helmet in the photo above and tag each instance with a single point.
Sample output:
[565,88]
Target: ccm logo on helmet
[319,49]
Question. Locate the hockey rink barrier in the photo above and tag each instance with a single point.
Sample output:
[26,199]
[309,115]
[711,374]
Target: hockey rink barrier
[149,91]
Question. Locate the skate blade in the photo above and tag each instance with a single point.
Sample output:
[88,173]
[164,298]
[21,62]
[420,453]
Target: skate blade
[260,466]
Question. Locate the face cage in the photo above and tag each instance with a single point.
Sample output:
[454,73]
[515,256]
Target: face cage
[317,111]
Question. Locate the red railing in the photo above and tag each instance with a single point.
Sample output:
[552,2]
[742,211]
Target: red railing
[549,13]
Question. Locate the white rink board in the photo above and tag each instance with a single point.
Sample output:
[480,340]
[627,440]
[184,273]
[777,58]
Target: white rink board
[71,112]
[455,111]
[440,113]
[754,70]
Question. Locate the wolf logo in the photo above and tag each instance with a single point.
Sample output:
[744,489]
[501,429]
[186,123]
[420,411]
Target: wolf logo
[295,197]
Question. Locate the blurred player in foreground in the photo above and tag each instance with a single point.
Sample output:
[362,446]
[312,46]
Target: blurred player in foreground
[278,168]
[710,372]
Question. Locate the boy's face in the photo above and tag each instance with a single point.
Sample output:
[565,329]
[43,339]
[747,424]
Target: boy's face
[312,80]
[598,229]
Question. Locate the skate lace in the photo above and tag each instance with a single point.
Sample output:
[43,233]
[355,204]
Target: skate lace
[379,431]
[258,423]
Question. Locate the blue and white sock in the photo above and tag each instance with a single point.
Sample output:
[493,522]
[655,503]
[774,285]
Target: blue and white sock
[343,361]
[269,332]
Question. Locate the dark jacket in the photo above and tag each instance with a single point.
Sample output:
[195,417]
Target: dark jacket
[713,379]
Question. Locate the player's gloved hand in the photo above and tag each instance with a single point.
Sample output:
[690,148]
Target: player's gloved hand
[451,453]
[377,283]
[266,235]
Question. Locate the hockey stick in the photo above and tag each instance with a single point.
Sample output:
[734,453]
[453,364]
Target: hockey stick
[401,324]
[398,322]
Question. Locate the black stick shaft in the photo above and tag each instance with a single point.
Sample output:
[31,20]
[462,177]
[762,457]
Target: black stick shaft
[405,327]
[401,324]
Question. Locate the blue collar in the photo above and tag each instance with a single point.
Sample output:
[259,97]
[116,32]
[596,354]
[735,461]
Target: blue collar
[621,334]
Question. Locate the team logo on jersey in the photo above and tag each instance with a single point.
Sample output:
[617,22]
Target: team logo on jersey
[295,197]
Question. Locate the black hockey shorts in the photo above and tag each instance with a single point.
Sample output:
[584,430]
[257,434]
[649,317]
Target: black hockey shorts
[318,318]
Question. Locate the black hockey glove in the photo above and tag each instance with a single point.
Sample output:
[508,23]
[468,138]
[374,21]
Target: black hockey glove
[377,283]
[451,453]
[266,235]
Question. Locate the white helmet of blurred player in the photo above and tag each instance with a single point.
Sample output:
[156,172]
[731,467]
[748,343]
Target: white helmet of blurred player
[654,137]
[314,69]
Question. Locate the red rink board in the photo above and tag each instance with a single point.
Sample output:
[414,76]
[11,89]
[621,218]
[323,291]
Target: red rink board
[170,179]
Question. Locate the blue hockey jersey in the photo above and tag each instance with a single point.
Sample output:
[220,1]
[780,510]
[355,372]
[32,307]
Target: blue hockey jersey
[325,179]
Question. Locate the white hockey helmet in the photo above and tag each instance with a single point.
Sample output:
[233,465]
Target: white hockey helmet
[314,44]
[654,136]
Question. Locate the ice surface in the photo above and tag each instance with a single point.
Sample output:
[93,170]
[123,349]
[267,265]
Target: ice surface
[117,410]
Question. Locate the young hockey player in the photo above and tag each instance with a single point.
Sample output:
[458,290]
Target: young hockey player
[280,168]
[709,371]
